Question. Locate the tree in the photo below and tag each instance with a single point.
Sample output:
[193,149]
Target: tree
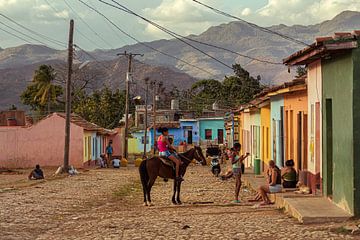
[233,91]
[42,93]
[103,107]
[300,71]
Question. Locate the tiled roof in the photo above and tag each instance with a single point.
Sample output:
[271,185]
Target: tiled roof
[340,41]
[86,125]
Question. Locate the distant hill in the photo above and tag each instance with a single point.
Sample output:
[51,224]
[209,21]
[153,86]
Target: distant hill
[17,64]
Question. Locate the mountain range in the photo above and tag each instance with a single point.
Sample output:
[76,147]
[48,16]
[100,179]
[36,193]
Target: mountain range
[18,63]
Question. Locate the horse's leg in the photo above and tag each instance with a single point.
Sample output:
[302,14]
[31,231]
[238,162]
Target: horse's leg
[150,184]
[175,188]
[178,193]
[145,193]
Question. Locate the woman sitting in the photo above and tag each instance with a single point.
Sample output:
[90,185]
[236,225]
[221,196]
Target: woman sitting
[168,151]
[274,185]
[289,175]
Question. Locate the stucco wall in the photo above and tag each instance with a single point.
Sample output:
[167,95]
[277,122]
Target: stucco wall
[338,74]
[276,102]
[295,102]
[314,96]
[42,144]
[214,125]
[195,131]
[265,135]
[356,128]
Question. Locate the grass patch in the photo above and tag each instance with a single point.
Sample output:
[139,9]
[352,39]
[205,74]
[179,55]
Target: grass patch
[340,230]
[128,189]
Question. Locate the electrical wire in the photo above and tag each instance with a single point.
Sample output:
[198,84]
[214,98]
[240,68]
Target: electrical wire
[76,30]
[144,44]
[181,40]
[125,9]
[49,39]
[14,35]
[266,30]
[91,29]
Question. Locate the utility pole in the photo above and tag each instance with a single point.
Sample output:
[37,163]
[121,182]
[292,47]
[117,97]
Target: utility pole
[153,83]
[127,83]
[68,98]
[146,115]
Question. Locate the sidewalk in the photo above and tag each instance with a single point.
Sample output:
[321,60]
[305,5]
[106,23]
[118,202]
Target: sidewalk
[306,208]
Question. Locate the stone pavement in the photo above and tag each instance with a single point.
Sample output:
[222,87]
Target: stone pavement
[107,204]
[305,208]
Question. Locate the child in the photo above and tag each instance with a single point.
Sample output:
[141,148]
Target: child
[236,162]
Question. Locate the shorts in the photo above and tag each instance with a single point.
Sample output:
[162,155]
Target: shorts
[237,171]
[166,154]
[275,189]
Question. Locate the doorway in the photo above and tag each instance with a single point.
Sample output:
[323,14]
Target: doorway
[190,137]
[329,147]
[220,136]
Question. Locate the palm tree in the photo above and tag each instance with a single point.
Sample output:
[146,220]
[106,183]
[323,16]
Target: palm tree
[43,80]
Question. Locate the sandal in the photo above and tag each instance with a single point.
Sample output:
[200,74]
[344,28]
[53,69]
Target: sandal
[236,201]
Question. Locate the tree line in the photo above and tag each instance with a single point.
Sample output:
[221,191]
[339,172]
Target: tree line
[105,106]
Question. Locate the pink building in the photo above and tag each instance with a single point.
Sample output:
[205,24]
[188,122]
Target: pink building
[43,143]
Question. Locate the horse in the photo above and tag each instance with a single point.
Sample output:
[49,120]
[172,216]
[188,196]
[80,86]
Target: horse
[150,169]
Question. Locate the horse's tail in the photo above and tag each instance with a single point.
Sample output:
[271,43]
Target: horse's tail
[144,176]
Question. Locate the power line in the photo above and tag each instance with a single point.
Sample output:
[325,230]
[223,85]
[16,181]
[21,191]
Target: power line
[144,44]
[181,40]
[112,29]
[14,35]
[76,30]
[125,9]
[252,24]
[91,29]
[36,40]
[54,41]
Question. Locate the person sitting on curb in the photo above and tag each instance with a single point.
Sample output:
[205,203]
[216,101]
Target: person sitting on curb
[116,163]
[36,174]
[274,185]
[289,175]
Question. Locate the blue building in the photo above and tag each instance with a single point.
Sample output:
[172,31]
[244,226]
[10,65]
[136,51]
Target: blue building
[190,131]
[212,130]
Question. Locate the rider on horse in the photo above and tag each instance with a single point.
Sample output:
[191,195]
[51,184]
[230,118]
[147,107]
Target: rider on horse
[165,149]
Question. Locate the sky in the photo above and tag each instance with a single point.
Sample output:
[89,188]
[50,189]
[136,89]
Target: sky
[51,18]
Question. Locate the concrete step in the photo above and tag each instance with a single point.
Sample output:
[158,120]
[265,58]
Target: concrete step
[312,209]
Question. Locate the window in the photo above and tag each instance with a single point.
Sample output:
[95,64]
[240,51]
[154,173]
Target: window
[208,134]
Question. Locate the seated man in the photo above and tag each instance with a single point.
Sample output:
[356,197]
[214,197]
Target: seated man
[36,174]
[116,163]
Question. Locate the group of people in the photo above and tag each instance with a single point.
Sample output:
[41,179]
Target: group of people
[276,179]
[105,161]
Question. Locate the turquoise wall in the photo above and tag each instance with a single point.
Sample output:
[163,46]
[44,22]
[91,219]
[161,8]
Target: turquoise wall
[337,77]
[276,102]
[214,125]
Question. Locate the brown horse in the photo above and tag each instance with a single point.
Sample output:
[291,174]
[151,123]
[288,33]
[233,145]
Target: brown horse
[151,168]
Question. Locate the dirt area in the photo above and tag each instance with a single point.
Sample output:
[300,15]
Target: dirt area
[107,204]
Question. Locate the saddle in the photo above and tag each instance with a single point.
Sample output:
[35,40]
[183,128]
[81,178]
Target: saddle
[167,162]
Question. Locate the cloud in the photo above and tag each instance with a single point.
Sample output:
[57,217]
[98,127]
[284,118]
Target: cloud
[304,11]
[182,16]
[246,12]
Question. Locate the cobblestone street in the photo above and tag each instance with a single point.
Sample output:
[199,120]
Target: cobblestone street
[107,204]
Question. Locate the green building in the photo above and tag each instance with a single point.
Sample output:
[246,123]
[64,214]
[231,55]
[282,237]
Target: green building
[337,61]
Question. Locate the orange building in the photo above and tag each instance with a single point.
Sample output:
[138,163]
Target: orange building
[295,121]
